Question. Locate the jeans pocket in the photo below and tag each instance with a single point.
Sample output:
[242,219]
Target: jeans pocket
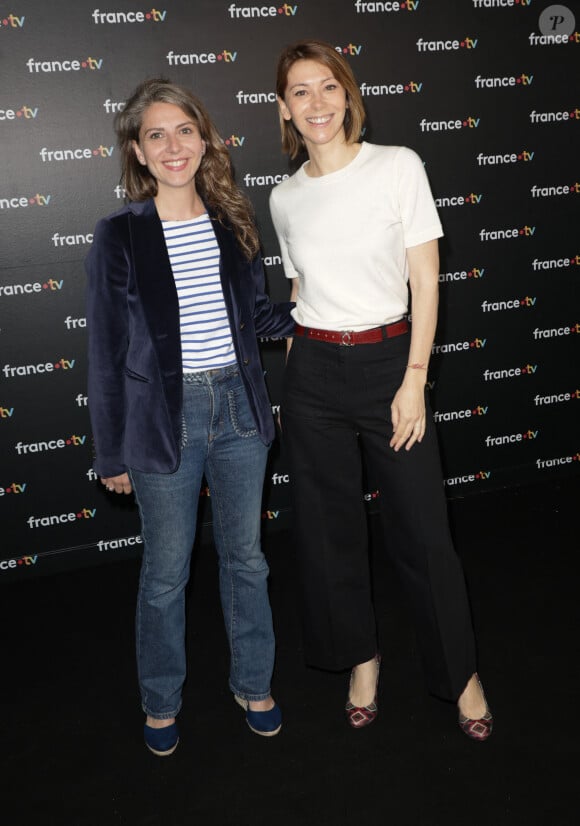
[240,413]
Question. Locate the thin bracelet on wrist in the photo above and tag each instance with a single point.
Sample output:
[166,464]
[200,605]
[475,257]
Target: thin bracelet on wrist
[417,366]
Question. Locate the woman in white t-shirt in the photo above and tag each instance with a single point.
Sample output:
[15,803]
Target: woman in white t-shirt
[357,228]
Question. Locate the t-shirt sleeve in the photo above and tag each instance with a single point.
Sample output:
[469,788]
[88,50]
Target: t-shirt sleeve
[417,207]
[277,214]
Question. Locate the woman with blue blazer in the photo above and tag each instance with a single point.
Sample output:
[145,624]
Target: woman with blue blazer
[176,391]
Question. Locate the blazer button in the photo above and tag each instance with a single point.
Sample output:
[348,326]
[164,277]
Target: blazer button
[246,361]
[242,325]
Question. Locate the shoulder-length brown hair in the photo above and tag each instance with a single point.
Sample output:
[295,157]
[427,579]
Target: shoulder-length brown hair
[321,52]
[214,179]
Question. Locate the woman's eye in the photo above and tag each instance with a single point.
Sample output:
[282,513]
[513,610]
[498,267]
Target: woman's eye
[155,135]
[187,130]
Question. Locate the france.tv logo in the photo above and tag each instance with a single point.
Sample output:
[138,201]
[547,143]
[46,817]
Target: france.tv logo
[12,21]
[115,17]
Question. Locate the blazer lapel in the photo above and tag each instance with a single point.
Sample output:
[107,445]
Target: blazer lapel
[155,284]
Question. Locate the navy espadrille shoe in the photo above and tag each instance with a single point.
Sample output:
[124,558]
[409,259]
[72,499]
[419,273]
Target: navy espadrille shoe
[265,723]
[161,741]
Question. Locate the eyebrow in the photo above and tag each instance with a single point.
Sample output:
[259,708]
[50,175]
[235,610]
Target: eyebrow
[309,82]
[179,125]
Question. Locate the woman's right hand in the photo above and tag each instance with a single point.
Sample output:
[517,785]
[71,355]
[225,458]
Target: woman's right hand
[117,484]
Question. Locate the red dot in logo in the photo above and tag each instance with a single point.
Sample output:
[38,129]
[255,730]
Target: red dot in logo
[227,142]
[220,57]
[472,344]
[7,490]
[470,274]
[473,412]
[84,64]
[524,435]
[79,516]
[57,366]
[280,11]
[574,458]
[19,562]
[406,88]
[462,44]
[45,286]
[148,16]
[519,157]
[5,22]
[524,370]
[521,232]
[68,441]
[403,6]
[518,80]
[95,151]
[465,123]
[345,50]
[19,114]
[31,200]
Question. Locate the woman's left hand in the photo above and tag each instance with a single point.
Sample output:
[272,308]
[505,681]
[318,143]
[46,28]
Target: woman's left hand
[117,484]
[408,414]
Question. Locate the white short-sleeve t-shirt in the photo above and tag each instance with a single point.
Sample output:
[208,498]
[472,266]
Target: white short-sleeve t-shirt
[345,236]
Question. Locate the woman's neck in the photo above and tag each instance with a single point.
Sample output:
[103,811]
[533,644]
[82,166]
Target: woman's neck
[179,205]
[330,158]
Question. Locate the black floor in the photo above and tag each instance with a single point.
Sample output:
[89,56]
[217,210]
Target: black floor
[71,746]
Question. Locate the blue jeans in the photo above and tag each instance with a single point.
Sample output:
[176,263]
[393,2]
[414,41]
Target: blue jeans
[219,440]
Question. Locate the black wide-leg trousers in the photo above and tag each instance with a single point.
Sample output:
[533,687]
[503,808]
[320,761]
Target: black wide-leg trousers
[336,419]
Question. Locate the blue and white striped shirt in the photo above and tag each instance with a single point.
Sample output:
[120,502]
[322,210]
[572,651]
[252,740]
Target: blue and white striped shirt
[206,339]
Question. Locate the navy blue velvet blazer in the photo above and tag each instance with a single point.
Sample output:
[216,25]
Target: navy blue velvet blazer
[135,382]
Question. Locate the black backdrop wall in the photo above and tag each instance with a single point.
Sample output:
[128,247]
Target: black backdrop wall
[487,91]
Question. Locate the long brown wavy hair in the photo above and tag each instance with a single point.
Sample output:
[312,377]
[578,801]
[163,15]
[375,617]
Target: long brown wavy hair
[320,52]
[214,179]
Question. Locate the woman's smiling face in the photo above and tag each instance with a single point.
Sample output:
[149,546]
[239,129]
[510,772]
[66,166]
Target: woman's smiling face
[315,102]
[169,145]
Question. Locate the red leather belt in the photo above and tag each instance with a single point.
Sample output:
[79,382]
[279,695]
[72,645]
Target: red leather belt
[349,337]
